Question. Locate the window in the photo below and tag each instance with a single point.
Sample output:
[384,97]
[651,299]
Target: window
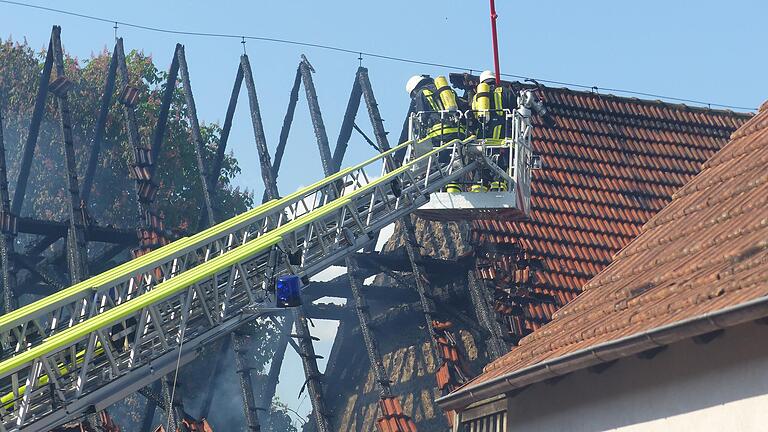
[492,423]
[485,416]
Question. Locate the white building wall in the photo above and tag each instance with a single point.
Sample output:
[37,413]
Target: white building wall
[719,386]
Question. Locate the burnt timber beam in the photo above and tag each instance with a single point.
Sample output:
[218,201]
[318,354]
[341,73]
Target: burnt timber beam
[374,115]
[380,375]
[38,247]
[373,110]
[365,137]
[92,233]
[426,303]
[258,130]
[240,342]
[153,396]
[345,132]
[100,263]
[308,356]
[28,150]
[172,402]
[218,159]
[146,202]
[218,364]
[486,316]
[287,121]
[286,128]
[7,227]
[400,310]
[273,375]
[165,106]
[336,357]
[197,136]
[317,118]
[33,285]
[386,319]
[340,287]
[311,371]
[328,311]
[51,265]
[149,409]
[41,273]
[268,176]
[291,342]
[77,249]
[101,121]
[400,154]
[48,270]
[337,287]
[131,125]
[400,261]
[213,177]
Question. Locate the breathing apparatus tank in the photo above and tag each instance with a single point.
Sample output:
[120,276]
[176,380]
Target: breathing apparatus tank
[481,103]
[447,95]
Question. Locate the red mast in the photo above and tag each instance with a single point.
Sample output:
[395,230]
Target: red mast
[495,42]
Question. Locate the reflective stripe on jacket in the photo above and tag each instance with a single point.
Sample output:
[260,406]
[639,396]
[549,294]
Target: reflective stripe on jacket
[494,128]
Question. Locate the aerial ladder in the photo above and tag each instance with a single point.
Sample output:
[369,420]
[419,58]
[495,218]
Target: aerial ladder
[90,345]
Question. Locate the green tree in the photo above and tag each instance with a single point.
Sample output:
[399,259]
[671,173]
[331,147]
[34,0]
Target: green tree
[113,198]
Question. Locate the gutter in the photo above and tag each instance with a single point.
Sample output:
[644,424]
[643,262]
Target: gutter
[606,352]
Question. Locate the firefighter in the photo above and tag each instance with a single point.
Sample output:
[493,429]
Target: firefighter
[490,106]
[438,119]
[436,100]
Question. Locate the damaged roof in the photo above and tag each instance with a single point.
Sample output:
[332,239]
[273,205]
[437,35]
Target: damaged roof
[701,264]
[609,164]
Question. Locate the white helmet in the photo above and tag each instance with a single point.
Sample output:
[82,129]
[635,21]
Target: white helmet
[487,75]
[414,82]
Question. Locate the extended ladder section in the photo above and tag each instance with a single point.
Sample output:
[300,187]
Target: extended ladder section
[92,344]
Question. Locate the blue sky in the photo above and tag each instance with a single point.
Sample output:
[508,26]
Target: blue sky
[703,50]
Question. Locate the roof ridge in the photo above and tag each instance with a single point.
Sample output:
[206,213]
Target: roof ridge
[459,80]
[755,124]
[651,102]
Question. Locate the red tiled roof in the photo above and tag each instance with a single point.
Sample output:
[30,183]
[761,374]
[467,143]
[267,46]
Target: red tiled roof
[705,253]
[610,164]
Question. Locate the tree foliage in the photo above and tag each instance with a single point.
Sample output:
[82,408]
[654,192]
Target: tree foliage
[113,199]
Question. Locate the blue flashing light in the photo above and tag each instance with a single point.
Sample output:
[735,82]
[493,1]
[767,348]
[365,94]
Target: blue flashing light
[288,291]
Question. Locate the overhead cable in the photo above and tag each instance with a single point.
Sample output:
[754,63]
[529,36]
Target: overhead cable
[360,53]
